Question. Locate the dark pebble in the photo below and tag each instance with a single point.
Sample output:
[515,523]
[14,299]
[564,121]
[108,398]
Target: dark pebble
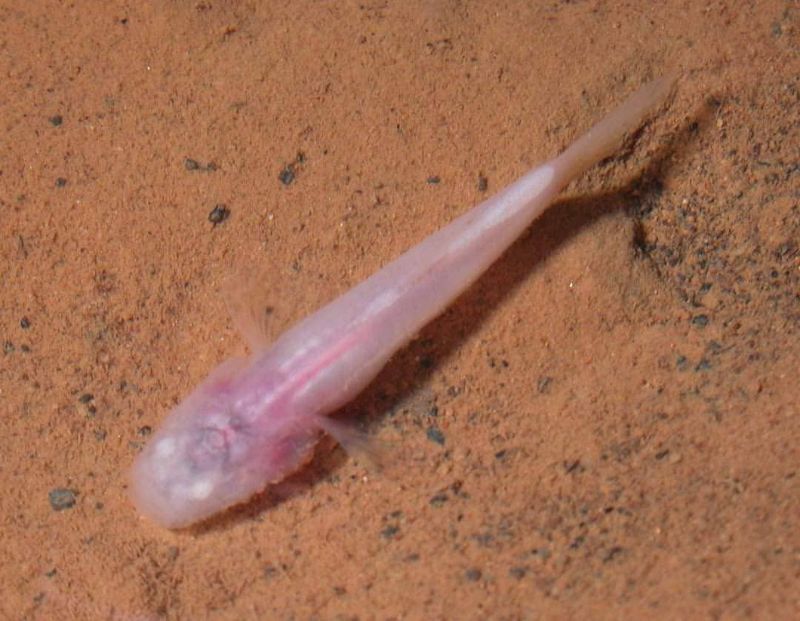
[703,365]
[390,531]
[61,182]
[682,363]
[434,179]
[542,553]
[286,176]
[435,435]
[24,323]
[190,164]
[437,500]
[61,498]
[56,120]
[8,347]
[518,572]
[700,320]
[473,574]
[613,553]
[145,430]
[269,571]
[543,385]
[86,397]
[483,183]
[219,214]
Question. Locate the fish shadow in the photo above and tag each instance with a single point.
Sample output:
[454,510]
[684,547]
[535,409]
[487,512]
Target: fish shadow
[564,220]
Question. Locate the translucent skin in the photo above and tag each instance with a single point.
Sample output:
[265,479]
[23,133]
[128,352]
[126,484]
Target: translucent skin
[253,422]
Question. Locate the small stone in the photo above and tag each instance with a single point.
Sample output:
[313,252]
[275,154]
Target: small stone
[542,553]
[703,365]
[518,572]
[435,435]
[219,214]
[269,571]
[286,176]
[437,500]
[543,384]
[62,498]
[613,553]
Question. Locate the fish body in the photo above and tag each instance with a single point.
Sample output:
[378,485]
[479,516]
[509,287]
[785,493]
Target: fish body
[254,421]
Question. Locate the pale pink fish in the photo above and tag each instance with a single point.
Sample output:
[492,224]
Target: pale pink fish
[253,422]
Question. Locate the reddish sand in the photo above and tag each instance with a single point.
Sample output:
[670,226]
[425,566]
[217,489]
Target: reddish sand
[605,426]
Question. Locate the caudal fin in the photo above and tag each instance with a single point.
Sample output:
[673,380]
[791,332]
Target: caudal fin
[605,136]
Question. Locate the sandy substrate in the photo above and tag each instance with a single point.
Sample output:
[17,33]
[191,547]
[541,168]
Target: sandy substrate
[605,426]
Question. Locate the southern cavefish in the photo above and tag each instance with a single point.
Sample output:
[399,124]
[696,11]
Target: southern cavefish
[254,421]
